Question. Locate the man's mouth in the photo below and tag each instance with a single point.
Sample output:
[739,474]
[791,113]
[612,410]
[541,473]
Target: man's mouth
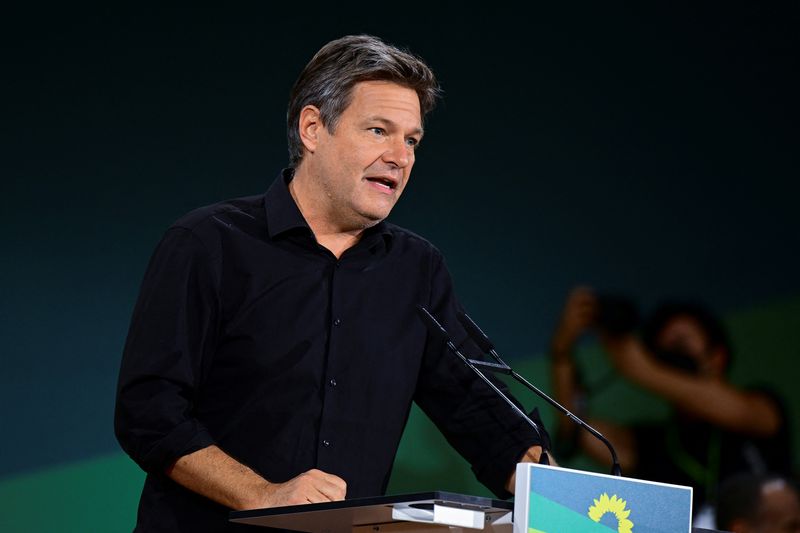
[382,183]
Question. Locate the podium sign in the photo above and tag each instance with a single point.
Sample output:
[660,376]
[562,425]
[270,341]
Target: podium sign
[552,499]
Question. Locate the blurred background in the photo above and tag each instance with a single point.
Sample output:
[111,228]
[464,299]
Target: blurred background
[649,150]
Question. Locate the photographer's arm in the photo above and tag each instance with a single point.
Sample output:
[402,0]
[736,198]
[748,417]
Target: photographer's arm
[710,398]
[578,315]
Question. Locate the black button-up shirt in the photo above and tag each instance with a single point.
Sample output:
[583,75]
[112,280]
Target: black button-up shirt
[250,335]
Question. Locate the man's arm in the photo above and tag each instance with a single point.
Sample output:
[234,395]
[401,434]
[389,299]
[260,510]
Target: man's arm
[218,476]
[577,317]
[578,314]
[621,437]
[171,340]
[475,421]
[713,400]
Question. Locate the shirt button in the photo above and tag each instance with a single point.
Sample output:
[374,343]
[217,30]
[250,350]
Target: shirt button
[332,382]
[337,322]
[326,443]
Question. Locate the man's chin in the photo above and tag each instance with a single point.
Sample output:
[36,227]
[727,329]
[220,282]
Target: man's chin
[368,222]
[368,219]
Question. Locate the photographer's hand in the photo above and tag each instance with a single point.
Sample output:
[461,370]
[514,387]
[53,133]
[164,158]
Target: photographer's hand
[578,315]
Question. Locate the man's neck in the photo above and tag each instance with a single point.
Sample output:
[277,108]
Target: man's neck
[313,206]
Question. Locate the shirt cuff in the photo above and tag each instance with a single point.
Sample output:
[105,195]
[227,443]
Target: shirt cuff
[186,438]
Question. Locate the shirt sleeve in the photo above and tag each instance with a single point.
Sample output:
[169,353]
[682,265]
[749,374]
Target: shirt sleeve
[171,338]
[490,435]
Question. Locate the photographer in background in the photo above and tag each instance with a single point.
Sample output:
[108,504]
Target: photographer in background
[682,355]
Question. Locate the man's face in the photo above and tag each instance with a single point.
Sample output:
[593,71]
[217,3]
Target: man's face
[779,510]
[364,165]
[683,334]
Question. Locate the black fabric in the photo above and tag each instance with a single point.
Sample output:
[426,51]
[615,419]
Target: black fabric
[249,335]
[738,452]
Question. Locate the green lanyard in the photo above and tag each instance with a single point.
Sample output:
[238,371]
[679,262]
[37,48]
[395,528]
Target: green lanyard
[704,475]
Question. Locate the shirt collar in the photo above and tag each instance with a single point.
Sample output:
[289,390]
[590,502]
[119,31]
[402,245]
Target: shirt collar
[283,214]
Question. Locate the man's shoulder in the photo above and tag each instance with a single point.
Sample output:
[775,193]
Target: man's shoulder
[226,211]
[211,223]
[409,240]
[246,212]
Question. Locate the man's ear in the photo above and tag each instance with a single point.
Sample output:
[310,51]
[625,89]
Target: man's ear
[309,126]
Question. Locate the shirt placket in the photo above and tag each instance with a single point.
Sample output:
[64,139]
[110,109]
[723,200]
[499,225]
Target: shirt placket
[327,445]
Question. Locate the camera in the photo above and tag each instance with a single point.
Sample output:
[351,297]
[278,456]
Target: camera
[616,314]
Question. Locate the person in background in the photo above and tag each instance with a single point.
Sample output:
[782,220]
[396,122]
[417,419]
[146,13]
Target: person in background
[750,503]
[683,356]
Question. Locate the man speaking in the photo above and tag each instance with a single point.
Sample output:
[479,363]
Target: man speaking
[275,347]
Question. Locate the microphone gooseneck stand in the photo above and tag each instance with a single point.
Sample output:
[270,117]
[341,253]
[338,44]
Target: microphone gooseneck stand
[486,345]
[438,331]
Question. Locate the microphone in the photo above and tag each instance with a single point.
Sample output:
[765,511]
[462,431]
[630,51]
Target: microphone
[438,331]
[483,342]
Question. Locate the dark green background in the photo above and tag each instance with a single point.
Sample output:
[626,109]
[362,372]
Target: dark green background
[645,149]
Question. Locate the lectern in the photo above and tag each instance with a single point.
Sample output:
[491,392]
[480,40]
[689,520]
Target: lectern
[549,500]
[417,513]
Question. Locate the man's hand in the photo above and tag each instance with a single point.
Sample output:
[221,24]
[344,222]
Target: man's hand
[532,455]
[314,486]
[578,314]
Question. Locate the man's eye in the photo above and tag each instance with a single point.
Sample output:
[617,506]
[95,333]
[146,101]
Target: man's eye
[378,131]
[412,142]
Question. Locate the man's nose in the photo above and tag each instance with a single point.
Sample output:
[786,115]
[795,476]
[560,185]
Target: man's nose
[398,153]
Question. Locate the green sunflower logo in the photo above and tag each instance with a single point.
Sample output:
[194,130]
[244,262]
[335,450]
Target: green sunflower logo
[613,505]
